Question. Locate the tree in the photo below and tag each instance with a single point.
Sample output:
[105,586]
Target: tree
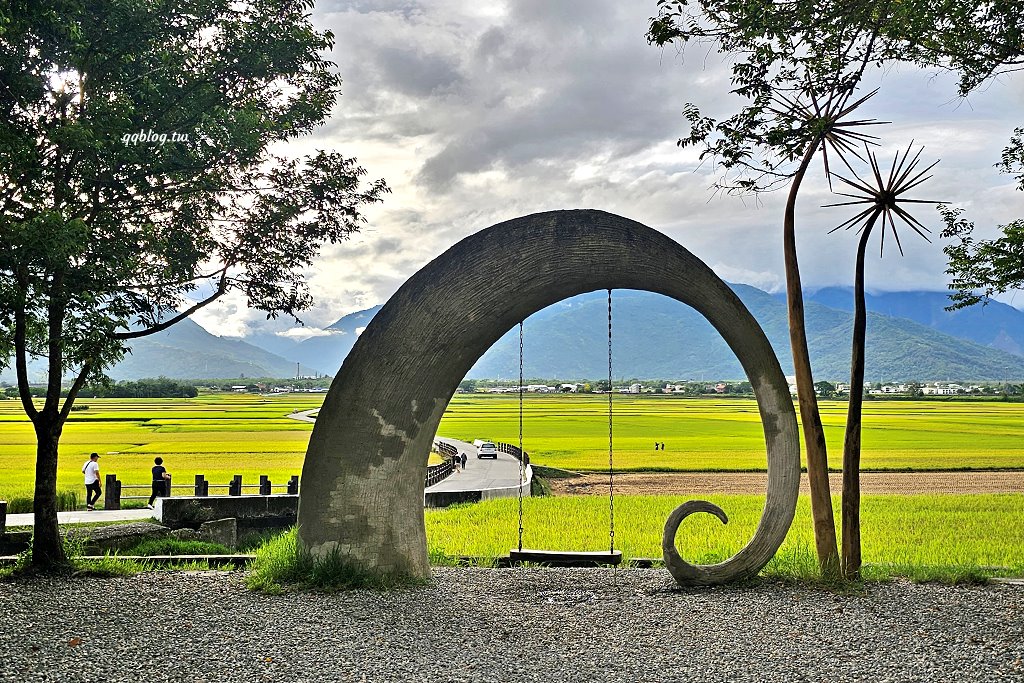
[981,269]
[139,185]
[797,63]
[825,389]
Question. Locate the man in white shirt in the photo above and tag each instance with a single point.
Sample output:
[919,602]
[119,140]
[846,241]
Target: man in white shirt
[91,470]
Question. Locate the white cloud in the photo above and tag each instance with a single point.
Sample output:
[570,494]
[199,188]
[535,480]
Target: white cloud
[476,112]
[302,333]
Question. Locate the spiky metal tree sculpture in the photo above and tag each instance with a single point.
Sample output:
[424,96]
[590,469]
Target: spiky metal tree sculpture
[883,197]
[818,124]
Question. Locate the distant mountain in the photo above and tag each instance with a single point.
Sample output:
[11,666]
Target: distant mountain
[996,325]
[328,351]
[657,337]
[187,351]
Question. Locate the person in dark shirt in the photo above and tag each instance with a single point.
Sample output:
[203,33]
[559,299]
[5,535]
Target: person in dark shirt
[160,477]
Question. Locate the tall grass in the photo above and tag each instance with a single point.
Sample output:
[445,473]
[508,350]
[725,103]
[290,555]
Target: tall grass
[902,535]
[281,563]
[66,501]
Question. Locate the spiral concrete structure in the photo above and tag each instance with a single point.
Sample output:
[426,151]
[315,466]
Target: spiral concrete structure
[362,480]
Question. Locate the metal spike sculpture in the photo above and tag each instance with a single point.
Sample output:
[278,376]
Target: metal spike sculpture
[827,118]
[883,197]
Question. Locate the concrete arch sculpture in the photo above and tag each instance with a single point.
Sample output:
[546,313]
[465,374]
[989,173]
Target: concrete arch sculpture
[362,481]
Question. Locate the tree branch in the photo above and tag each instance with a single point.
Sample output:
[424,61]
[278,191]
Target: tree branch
[73,391]
[21,360]
[221,288]
[55,355]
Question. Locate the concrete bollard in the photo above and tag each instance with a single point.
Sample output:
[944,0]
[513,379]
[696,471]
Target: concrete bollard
[3,517]
[111,493]
[167,486]
[264,485]
[202,487]
[293,485]
[235,486]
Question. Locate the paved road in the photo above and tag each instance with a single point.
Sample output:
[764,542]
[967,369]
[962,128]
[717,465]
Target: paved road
[82,516]
[480,474]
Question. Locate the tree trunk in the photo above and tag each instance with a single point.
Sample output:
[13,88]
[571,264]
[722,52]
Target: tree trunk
[851,444]
[47,546]
[810,418]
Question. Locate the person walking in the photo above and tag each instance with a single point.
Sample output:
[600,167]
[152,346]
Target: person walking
[160,481]
[91,470]
[463,458]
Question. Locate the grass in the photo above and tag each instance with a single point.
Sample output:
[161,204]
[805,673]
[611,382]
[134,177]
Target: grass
[915,536]
[571,432]
[66,500]
[220,435]
[280,563]
[174,546]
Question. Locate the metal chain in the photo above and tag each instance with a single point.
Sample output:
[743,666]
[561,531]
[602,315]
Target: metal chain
[611,469]
[522,466]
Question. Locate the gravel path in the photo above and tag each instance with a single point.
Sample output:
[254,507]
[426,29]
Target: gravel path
[505,625]
[673,483]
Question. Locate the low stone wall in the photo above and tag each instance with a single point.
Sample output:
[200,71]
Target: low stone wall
[252,512]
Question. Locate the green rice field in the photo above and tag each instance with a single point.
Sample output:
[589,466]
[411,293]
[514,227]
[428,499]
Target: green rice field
[899,532]
[571,432]
[220,435]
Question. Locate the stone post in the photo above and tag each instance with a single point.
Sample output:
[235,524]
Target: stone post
[264,485]
[293,485]
[111,493]
[3,517]
[235,487]
[202,487]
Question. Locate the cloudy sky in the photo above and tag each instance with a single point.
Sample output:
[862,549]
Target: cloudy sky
[480,111]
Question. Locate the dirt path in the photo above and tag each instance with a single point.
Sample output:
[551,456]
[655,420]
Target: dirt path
[655,483]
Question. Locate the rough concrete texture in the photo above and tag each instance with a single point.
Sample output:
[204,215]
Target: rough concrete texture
[117,536]
[223,531]
[362,479]
[182,511]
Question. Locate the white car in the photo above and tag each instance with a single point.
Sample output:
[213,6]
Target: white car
[486,449]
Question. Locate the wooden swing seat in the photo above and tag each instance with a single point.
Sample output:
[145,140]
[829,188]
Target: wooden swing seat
[566,558]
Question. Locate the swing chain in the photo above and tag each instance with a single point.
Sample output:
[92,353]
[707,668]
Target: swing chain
[611,469]
[522,466]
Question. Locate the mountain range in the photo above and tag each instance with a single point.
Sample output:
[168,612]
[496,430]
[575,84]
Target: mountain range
[910,337]
[655,337]
[187,351]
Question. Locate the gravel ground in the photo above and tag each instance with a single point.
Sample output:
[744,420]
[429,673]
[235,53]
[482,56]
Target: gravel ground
[676,483]
[505,625]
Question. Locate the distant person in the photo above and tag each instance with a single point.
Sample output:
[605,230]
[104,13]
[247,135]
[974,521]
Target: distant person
[91,470]
[463,458]
[655,445]
[160,477]
[662,445]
